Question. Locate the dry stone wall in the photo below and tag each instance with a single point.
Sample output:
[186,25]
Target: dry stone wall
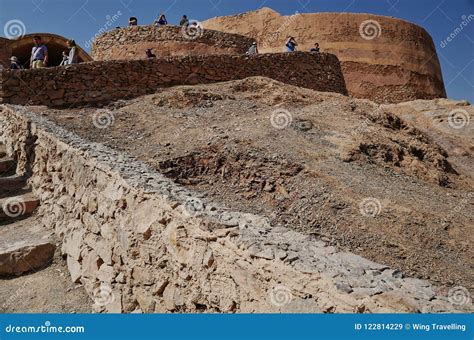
[140,243]
[5,53]
[131,42]
[106,81]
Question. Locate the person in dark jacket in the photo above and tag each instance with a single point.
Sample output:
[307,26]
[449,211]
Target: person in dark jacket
[315,49]
[132,21]
[149,53]
[291,44]
[161,20]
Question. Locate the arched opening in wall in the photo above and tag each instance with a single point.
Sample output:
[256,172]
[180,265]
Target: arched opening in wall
[21,48]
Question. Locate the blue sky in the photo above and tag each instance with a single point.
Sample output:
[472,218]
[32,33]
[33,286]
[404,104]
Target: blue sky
[81,19]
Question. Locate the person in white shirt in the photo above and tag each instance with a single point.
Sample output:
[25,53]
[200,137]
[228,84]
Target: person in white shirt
[39,54]
[72,58]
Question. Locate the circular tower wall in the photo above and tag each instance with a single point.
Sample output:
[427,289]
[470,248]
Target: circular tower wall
[382,58]
[131,42]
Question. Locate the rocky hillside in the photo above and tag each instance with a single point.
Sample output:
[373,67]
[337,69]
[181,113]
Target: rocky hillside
[382,181]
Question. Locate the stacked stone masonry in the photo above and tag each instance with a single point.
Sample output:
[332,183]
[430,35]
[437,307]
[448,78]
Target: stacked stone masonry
[5,53]
[106,81]
[131,42]
[150,245]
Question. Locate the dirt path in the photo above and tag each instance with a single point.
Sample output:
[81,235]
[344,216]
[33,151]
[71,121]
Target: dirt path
[46,291]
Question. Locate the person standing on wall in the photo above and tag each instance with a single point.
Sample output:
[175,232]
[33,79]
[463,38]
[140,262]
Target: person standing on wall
[132,21]
[65,59]
[184,21]
[39,54]
[291,44]
[161,20]
[14,64]
[72,58]
[253,50]
[315,49]
[149,54]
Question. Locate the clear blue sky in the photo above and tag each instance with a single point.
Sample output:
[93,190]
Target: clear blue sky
[81,19]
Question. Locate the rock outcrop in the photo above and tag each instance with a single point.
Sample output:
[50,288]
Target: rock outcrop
[383,59]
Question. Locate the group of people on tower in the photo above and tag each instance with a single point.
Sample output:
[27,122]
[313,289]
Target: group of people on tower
[39,54]
[290,46]
[160,21]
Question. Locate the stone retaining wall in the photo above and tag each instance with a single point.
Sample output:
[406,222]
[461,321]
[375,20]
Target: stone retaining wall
[131,42]
[139,242]
[106,81]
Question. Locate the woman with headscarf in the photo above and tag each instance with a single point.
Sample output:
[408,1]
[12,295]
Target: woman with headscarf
[72,58]
[161,20]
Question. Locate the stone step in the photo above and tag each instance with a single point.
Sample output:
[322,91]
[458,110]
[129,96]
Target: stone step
[18,206]
[25,245]
[11,184]
[7,166]
[25,256]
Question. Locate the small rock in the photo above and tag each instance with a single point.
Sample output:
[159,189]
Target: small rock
[344,287]
[208,258]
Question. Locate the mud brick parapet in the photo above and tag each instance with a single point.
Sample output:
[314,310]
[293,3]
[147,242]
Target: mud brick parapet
[105,81]
[131,42]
